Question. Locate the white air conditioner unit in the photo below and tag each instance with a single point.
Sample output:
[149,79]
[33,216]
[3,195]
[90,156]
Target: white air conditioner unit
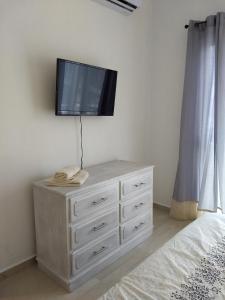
[125,7]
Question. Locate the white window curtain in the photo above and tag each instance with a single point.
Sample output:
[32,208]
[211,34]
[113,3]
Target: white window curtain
[200,179]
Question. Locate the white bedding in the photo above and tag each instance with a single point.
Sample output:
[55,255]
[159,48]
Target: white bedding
[189,266]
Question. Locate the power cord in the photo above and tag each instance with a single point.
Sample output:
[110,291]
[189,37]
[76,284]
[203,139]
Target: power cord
[81,144]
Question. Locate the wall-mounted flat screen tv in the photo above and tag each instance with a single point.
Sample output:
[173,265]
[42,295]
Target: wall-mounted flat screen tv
[84,89]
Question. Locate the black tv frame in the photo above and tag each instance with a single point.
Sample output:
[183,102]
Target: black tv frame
[56,95]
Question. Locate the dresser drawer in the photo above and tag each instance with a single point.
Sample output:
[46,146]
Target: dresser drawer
[90,203]
[81,235]
[134,227]
[141,205]
[137,183]
[91,255]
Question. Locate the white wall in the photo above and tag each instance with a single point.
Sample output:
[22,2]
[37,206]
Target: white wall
[168,62]
[33,142]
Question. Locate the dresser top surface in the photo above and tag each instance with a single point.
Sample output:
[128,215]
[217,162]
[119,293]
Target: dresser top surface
[98,174]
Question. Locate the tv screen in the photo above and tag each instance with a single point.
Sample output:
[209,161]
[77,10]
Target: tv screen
[84,90]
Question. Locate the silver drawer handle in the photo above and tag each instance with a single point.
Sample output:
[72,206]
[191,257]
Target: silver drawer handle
[138,205]
[99,201]
[139,184]
[139,226]
[99,251]
[96,228]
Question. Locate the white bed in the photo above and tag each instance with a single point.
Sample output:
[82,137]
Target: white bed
[190,266]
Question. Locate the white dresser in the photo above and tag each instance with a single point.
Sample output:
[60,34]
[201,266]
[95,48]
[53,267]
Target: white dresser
[81,230]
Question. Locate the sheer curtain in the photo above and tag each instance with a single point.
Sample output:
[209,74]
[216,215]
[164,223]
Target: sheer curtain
[200,179]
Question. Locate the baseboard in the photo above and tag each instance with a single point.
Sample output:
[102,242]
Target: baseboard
[161,205]
[18,266]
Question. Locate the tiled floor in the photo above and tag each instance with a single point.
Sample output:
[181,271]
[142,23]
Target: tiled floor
[29,283]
